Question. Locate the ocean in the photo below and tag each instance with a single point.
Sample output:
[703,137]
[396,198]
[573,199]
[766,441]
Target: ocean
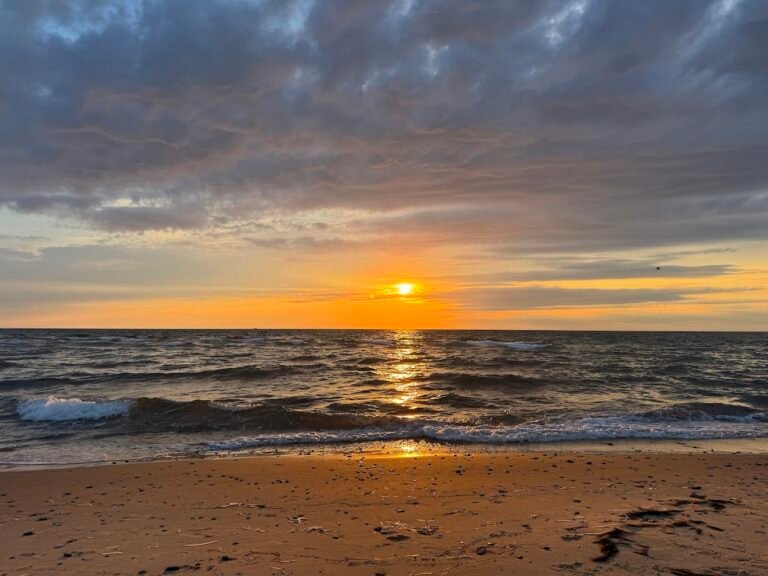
[79,396]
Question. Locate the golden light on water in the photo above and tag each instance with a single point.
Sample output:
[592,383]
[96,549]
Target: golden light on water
[408,449]
[403,370]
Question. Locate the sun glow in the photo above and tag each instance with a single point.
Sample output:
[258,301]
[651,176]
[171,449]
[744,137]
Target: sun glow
[404,288]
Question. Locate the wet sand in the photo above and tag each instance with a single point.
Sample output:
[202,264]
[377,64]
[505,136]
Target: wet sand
[433,514]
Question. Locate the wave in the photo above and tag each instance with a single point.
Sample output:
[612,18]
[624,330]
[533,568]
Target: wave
[288,342]
[179,344]
[470,380]
[459,401]
[271,423]
[510,345]
[584,429]
[499,362]
[236,373]
[704,412]
[368,360]
[376,407]
[201,415]
[307,358]
[379,341]
[358,369]
[65,409]
[229,373]
[34,382]
[163,415]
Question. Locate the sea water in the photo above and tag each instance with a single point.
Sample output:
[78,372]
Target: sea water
[69,396]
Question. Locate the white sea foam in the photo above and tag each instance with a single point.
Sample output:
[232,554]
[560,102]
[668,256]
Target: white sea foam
[608,428]
[64,409]
[510,345]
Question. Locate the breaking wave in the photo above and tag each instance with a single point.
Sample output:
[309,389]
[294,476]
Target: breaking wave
[163,415]
[273,423]
[494,434]
[583,429]
[706,412]
[63,409]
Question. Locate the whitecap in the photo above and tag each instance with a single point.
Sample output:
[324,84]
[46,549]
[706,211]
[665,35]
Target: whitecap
[590,429]
[65,409]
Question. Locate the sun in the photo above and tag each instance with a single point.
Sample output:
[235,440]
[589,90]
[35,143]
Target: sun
[406,292]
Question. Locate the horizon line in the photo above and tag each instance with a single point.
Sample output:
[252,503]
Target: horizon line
[672,331]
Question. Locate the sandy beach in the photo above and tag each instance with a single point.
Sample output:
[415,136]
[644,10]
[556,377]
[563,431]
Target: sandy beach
[412,514]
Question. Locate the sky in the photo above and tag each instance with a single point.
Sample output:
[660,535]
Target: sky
[499,164]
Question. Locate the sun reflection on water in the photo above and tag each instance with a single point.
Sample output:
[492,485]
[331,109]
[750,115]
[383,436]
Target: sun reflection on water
[409,449]
[403,369]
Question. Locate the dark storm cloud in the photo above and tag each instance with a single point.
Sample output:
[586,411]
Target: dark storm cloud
[544,125]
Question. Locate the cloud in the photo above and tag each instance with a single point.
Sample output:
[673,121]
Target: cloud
[543,126]
[141,218]
[557,269]
[303,243]
[14,255]
[535,296]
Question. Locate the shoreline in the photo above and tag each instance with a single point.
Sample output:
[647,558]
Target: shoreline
[420,513]
[411,448]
